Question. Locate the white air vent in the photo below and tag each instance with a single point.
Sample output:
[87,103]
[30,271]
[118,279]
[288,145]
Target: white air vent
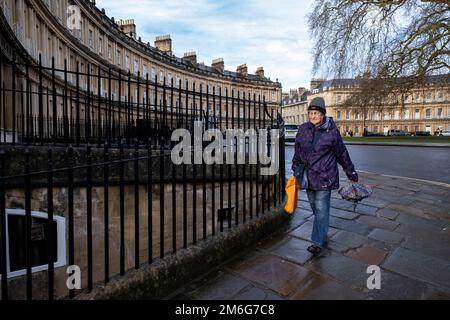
[16,241]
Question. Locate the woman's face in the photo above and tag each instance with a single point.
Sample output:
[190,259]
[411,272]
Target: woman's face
[315,117]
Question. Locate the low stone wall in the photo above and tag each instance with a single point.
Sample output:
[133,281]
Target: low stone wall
[160,166]
[15,199]
[160,278]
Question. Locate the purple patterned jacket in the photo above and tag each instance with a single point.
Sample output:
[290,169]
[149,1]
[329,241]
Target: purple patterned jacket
[322,161]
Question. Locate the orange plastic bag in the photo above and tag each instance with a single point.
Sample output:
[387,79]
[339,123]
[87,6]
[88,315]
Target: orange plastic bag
[292,193]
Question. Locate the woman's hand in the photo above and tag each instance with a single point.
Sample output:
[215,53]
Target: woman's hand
[353,177]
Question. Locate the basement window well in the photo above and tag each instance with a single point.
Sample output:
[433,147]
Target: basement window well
[16,241]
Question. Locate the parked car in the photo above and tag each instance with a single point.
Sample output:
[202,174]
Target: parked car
[398,133]
[290,132]
[444,133]
[422,133]
[374,134]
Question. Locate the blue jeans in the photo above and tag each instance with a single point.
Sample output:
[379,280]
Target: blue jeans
[320,205]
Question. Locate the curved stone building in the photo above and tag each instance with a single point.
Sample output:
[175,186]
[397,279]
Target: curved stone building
[76,84]
[80,36]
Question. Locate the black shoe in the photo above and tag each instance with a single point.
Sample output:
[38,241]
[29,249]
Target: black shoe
[315,250]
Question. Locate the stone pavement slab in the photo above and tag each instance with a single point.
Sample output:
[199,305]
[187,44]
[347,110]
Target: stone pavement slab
[305,231]
[254,293]
[377,222]
[350,225]
[434,189]
[375,202]
[302,196]
[395,286]
[223,288]
[336,246]
[294,223]
[293,250]
[302,212]
[420,232]
[387,213]
[393,198]
[420,222]
[433,197]
[304,206]
[419,266]
[270,242]
[408,209]
[367,254]
[280,276]
[393,188]
[429,241]
[429,247]
[320,288]
[409,186]
[386,236]
[404,228]
[343,214]
[388,247]
[341,268]
[349,239]
[433,209]
[366,210]
[341,204]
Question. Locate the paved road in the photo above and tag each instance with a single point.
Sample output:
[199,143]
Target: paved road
[425,163]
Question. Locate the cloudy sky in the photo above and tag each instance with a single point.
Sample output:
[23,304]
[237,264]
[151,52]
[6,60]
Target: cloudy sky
[268,33]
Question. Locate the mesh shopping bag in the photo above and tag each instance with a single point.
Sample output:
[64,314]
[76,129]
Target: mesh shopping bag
[291,192]
[355,192]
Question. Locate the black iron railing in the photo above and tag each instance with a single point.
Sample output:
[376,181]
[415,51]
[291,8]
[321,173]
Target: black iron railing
[101,149]
[254,195]
[41,105]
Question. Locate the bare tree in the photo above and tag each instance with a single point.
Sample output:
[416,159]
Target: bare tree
[393,45]
[377,95]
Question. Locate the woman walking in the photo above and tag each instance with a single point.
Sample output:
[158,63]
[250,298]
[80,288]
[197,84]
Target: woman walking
[318,149]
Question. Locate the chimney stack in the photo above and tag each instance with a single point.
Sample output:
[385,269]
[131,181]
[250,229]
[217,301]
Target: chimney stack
[301,91]
[260,72]
[164,44]
[128,27]
[242,70]
[218,65]
[316,83]
[190,57]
